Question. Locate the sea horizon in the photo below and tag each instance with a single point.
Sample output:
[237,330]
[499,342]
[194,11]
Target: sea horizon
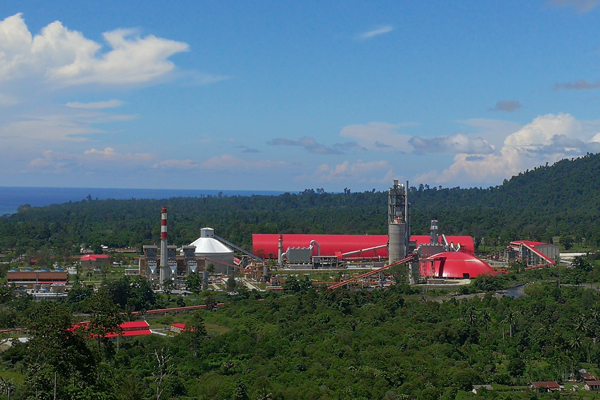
[11,197]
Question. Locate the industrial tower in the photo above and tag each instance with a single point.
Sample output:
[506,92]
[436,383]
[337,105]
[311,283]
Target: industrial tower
[398,222]
[165,272]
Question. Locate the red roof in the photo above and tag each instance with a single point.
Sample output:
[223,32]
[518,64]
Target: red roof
[134,325]
[528,243]
[94,257]
[455,265]
[266,245]
[130,333]
[549,385]
[178,325]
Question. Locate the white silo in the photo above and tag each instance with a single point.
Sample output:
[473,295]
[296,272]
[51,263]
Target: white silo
[214,252]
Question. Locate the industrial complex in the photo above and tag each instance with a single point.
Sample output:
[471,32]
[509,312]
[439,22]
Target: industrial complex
[429,258]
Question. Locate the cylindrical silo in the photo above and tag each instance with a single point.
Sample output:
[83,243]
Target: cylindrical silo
[396,244]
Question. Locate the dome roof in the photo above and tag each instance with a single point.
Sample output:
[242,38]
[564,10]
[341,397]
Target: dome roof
[459,265]
[207,244]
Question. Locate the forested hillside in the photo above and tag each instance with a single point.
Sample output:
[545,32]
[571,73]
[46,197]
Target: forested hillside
[317,345]
[556,200]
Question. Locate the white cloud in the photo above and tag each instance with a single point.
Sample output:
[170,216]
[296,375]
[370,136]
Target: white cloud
[66,57]
[103,160]
[37,131]
[376,32]
[98,105]
[548,138]
[353,172]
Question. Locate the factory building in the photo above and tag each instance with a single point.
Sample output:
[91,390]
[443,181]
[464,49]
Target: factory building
[533,253]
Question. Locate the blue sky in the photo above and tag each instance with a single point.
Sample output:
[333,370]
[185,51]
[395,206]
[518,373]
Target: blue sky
[281,95]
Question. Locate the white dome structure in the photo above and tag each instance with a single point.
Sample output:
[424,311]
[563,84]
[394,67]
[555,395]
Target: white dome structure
[213,251]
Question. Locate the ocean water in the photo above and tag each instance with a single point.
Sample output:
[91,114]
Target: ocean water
[13,197]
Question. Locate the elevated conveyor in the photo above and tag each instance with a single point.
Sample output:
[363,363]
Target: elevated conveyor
[340,284]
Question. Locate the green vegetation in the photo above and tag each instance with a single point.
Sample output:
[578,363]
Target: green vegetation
[308,344]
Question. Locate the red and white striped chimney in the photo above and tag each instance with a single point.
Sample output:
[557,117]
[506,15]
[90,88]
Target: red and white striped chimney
[164,260]
[163,223]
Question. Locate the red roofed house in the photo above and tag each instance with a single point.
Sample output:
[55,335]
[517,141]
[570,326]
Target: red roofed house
[592,385]
[586,376]
[178,328]
[128,329]
[93,262]
[545,386]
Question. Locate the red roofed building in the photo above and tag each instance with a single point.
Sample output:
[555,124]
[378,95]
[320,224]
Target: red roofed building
[178,328]
[127,329]
[592,386]
[94,262]
[533,253]
[545,386]
[266,245]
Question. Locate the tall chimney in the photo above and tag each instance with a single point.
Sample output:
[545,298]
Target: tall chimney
[280,250]
[165,273]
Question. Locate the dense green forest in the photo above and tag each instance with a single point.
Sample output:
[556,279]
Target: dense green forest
[549,201]
[313,344]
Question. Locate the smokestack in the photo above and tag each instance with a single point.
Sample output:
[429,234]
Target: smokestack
[280,251]
[164,259]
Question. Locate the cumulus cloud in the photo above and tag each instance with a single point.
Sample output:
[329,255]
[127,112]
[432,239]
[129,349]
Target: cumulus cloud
[98,105]
[66,57]
[578,85]
[507,106]
[376,32]
[312,146]
[580,6]
[548,138]
[384,137]
[356,172]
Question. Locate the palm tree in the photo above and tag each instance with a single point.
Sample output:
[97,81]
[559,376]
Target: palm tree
[471,316]
[511,318]
[485,318]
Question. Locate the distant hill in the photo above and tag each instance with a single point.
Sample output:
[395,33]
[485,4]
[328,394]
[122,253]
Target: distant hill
[557,200]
